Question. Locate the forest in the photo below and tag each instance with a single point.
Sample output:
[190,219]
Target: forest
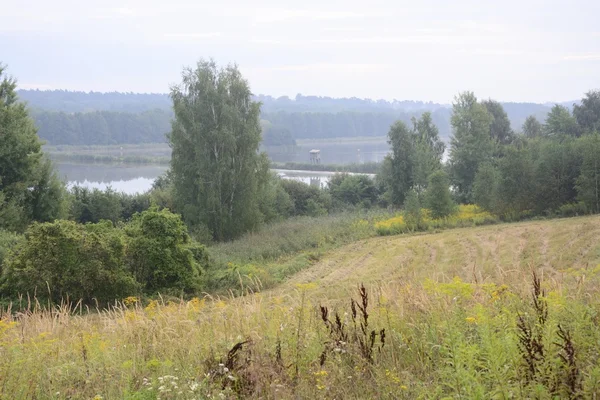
[78,118]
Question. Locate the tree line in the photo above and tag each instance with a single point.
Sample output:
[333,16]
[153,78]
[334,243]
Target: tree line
[79,118]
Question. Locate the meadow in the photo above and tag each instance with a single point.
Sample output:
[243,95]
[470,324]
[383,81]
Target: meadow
[501,311]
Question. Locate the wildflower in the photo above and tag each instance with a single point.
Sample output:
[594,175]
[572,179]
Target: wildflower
[471,320]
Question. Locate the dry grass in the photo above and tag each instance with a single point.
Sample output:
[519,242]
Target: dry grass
[448,303]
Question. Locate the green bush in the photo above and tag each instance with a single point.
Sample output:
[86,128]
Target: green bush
[63,259]
[306,199]
[161,255]
[352,190]
[8,240]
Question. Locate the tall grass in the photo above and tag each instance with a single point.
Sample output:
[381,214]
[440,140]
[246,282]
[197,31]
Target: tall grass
[276,251]
[450,339]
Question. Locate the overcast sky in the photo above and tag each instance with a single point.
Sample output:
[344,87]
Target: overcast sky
[420,50]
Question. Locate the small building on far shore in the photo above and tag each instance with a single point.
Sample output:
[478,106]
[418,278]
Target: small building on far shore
[315,156]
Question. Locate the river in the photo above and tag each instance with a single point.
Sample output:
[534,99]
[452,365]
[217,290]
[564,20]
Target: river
[133,179]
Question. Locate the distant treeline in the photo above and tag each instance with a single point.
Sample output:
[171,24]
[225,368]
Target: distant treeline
[72,102]
[102,127]
[79,118]
[313,125]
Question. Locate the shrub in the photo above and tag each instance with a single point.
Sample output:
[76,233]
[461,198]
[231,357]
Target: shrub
[160,253]
[7,241]
[63,259]
[306,199]
[352,190]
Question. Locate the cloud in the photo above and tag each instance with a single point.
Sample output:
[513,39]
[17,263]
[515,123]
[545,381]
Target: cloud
[192,35]
[409,39]
[325,67]
[270,15]
[583,57]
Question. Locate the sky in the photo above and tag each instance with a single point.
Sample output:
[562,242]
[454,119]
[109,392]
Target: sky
[526,50]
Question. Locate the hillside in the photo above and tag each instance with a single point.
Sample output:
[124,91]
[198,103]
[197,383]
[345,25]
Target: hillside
[450,314]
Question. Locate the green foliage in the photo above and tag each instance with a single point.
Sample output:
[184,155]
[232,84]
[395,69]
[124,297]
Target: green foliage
[500,130]
[485,187]
[588,182]
[306,199]
[8,241]
[587,113]
[416,153]
[438,198]
[428,151]
[532,128]
[275,135]
[94,205]
[401,140]
[102,127]
[471,144]
[63,259]
[160,253]
[29,189]
[560,122]
[516,190]
[556,169]
[217,173]
[352,190]
[413,217]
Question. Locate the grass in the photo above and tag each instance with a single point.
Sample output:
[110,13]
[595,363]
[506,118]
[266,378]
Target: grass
[454,314]
[466,215]
[265,258]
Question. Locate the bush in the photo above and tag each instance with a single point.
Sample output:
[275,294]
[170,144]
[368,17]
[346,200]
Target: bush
[8,240]
[161,255]
[352,190]
[306,199]
[63,259]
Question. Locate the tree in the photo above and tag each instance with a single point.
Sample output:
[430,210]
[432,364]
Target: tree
[438,198]
[532,127]
[402,162]
[500,130]
[556,169]
[588,182]
[216,168]
[471,144]
[412,215]
[515,192]
[428,151]
[587,113]
[29,190]
[485,187]
[560,122]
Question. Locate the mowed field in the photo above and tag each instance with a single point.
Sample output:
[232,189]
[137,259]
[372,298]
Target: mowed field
[452,314]
[500,254]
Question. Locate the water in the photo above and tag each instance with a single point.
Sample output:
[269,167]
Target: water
[138,179]
[122,178]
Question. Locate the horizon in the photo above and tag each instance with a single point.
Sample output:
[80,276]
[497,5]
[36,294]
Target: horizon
[293,98]
[536,51]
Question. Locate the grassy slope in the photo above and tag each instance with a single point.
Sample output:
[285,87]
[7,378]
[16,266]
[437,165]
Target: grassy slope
[444,337]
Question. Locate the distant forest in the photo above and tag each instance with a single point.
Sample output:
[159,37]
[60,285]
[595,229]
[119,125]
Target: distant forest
[80,118]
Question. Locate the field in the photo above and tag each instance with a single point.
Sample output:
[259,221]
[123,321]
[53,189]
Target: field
[502,311]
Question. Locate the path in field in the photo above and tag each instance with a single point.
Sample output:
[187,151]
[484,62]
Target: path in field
[499,254]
